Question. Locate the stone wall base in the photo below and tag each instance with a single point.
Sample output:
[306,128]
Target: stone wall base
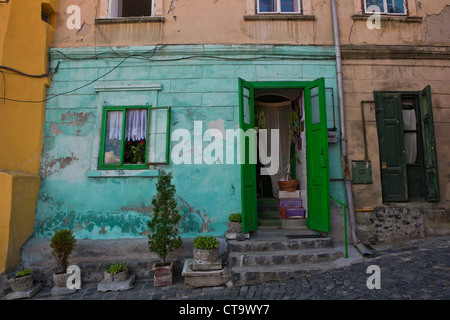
[389,224]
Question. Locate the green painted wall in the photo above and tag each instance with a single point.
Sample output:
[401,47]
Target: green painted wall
[200,83]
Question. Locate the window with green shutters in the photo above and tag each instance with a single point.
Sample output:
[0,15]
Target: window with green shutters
[407,146]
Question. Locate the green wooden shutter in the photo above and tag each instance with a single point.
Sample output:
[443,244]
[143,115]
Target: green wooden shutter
[248,169]
[317,165]
[391,146]
[432,193]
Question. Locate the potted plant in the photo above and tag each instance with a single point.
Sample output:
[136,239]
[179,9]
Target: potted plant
[63,243]
[206,248]
[22,281]
[116,273]
[235,223]
[163,237]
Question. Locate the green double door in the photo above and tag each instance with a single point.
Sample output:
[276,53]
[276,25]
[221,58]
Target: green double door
[317,165]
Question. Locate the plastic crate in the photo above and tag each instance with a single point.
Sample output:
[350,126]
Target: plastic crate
[296,212]
[291,203]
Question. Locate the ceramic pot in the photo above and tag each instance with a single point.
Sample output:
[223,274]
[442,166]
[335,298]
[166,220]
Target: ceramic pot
[162,275]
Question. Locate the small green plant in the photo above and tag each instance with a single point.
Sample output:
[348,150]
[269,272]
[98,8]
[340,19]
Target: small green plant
[163,237]
[63,243]
[22,273]
[206,242]
[235,217]
[117,268]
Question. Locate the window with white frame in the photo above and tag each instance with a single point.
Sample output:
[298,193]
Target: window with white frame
[278,6]
[385,6]
[130,8]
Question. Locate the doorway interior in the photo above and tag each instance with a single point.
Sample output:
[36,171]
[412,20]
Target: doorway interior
[283,110]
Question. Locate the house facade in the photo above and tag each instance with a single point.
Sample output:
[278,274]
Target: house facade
[144,86]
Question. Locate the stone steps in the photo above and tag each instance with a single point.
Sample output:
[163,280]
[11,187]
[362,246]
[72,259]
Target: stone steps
[274,255]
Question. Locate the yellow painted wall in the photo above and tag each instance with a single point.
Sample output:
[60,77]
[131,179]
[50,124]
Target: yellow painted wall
[24,43]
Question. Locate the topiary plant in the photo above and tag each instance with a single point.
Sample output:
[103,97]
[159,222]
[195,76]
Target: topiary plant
[163,237]
[206,242]
[63,243]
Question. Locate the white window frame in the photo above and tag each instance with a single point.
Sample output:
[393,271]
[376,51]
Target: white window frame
[405,5]
[279,8]
[115,8]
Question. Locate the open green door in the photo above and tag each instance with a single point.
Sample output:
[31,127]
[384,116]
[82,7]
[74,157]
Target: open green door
[317,166]
[248,157]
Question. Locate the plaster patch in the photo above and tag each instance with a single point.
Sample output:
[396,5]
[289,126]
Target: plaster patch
[54,129]
[438,27]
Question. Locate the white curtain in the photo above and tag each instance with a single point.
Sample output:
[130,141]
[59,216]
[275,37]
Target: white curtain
[410,138]
[114,126]
[136,128]
[276,115]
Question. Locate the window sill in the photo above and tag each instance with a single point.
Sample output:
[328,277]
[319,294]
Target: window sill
[401,18]
[122,20]
[123,173]
[279,17]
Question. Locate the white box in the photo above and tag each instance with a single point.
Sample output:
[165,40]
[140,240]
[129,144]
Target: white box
[289,194]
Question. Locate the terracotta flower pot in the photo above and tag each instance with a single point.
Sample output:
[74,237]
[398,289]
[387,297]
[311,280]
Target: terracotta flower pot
[235,227]
[206,255]
[119,277]
[60,279]
[162,274]
[21,283]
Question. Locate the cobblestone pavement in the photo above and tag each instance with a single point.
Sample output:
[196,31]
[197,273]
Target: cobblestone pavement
[416,270]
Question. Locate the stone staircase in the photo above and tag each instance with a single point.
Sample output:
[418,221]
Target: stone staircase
[269,215]
[275,255]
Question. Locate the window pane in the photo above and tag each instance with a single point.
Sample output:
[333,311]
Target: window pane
[247,118]
[315,107]
[288,5]
[379,3]
[135,133]
[395,6]
[113,139]
[136,8]
[267,6]
[158,135]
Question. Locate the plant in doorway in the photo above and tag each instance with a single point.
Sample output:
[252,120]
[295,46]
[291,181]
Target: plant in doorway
[62,243]
[164,235]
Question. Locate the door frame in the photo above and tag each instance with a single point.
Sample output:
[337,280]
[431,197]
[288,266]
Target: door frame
[301,85]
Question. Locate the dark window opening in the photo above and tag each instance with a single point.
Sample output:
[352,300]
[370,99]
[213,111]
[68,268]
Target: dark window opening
[131,8]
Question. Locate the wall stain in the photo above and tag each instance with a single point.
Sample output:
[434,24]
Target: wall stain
[51,165]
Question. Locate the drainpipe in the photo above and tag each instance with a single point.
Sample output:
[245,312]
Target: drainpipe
[348,183]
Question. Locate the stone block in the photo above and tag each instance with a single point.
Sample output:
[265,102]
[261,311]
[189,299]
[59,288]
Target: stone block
[24,294]
[197,279]
[127,284]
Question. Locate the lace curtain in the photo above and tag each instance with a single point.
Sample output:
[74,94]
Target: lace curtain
[136,125]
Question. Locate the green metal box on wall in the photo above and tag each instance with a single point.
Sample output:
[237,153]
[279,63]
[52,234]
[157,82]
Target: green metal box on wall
[362,171]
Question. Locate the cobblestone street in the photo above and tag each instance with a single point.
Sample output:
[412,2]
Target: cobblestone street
[416,270]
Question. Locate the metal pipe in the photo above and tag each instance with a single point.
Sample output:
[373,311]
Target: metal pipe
[345,223]
[348,184]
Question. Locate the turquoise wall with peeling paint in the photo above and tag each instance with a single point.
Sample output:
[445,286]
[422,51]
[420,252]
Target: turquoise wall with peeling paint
[200,83]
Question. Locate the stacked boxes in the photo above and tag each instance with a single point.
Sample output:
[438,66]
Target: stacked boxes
[290,205]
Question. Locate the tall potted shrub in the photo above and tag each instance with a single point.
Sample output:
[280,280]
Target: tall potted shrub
[62,243]
[163,238]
